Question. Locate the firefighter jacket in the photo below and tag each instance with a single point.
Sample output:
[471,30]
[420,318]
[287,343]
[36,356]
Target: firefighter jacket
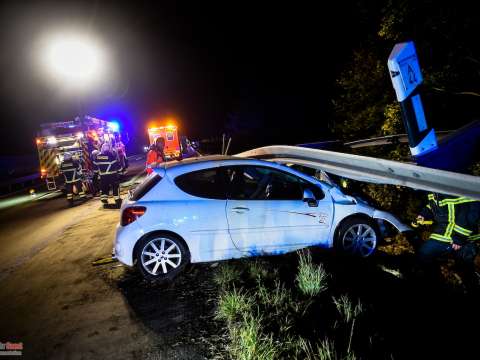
[455,219]
[106,164]
[154,157]
[71,170]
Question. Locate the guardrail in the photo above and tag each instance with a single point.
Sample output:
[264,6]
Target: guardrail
[18,184]
[373,170]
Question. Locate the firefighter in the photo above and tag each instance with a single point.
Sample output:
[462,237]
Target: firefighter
[72,171]
[455,233]
[107,166]
[156,154]
[120,147]
[96,176]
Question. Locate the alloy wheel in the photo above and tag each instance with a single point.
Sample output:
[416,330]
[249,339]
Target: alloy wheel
[160,256]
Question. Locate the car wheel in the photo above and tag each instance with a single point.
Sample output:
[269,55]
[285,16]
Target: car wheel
[161,257]
[357,236]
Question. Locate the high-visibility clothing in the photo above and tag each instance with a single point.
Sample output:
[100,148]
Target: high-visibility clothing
[455,219]
[154,157]
[70,170]
[106,164]
[108,182]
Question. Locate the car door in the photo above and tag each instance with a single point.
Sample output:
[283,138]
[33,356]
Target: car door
[267,215]
[204,212]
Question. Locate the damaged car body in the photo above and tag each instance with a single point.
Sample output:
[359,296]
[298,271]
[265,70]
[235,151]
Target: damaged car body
[222,207]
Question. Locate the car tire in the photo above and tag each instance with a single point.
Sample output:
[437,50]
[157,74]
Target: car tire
[161,257]
[357,236]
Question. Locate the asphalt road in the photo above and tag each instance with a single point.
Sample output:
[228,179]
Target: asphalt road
[60,306]
[29,224]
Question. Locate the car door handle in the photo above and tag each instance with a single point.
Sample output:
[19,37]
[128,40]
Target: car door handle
[240,209]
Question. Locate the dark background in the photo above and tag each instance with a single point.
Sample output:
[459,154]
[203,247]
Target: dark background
[204,64]
[267,70]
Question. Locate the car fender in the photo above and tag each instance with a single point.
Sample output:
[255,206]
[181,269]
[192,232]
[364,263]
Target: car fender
[383,215]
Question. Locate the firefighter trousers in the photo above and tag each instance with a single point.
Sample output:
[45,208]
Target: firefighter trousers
[69,189]
[108,182]
[432,250]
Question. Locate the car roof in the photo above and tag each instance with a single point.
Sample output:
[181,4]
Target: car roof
[200,159]
[179,167]
[204,162]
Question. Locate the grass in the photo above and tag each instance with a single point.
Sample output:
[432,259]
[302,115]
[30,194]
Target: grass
[248,342]
[258,269]
[226,275]
[349,313]
[311,279]
[234,304]
[265,317]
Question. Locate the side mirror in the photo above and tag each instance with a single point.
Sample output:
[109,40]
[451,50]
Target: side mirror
[309,198]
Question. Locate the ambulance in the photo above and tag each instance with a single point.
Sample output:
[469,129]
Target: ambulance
[172,141]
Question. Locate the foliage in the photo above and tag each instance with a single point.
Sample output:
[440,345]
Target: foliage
[475,169]
[346,309]
[226,274]
[364,80]
[233,304]
[248,341]
[393,120]
[258,269]
[311,279]
[267,320]
[444,35]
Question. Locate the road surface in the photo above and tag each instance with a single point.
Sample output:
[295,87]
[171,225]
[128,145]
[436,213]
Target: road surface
[60,306]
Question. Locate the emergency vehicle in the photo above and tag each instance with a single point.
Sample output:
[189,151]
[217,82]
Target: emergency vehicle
[78,137]
[172,141]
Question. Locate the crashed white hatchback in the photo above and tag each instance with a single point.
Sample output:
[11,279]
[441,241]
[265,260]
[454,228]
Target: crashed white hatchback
[219,207]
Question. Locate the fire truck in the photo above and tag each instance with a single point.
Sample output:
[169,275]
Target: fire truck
[79,137]
[172,142]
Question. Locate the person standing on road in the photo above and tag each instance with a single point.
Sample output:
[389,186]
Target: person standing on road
[455,233]
[107,166]
[156,154]
[122,156]
[96,175]
[71,170]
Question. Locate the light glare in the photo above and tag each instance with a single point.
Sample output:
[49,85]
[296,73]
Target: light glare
[75,59]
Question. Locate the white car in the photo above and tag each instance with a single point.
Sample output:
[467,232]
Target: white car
[221,207]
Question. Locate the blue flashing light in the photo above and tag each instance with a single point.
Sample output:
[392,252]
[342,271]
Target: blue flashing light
[114,126]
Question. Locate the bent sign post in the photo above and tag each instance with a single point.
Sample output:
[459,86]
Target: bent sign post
[406,77]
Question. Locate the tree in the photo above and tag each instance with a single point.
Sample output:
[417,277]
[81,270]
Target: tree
[446,39]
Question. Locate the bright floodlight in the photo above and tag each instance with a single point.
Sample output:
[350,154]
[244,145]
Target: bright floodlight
[75,59]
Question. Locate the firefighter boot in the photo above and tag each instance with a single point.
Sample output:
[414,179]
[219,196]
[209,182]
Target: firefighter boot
[70,199]
[118,203]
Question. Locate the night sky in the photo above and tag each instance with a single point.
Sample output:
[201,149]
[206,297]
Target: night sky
[273,66]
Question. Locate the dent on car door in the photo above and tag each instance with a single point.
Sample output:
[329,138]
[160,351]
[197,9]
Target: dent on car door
[208,236]
[266,212]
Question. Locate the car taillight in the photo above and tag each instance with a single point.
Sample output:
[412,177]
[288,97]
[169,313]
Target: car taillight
[130,214]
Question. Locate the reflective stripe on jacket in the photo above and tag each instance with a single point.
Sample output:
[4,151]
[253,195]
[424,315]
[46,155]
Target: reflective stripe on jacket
[455,218]
[70,171]
[106,164]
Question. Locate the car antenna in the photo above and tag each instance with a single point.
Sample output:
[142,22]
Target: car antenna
[228,145]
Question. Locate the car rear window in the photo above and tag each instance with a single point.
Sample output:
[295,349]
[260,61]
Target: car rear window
[145,187]
[208,183]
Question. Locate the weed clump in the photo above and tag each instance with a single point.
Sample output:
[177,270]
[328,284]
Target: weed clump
[311,279]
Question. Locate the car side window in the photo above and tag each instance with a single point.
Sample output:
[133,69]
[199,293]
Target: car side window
[263,183]
[209,183]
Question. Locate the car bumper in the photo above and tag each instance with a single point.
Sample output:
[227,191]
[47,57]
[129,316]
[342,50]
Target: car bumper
[125,239]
